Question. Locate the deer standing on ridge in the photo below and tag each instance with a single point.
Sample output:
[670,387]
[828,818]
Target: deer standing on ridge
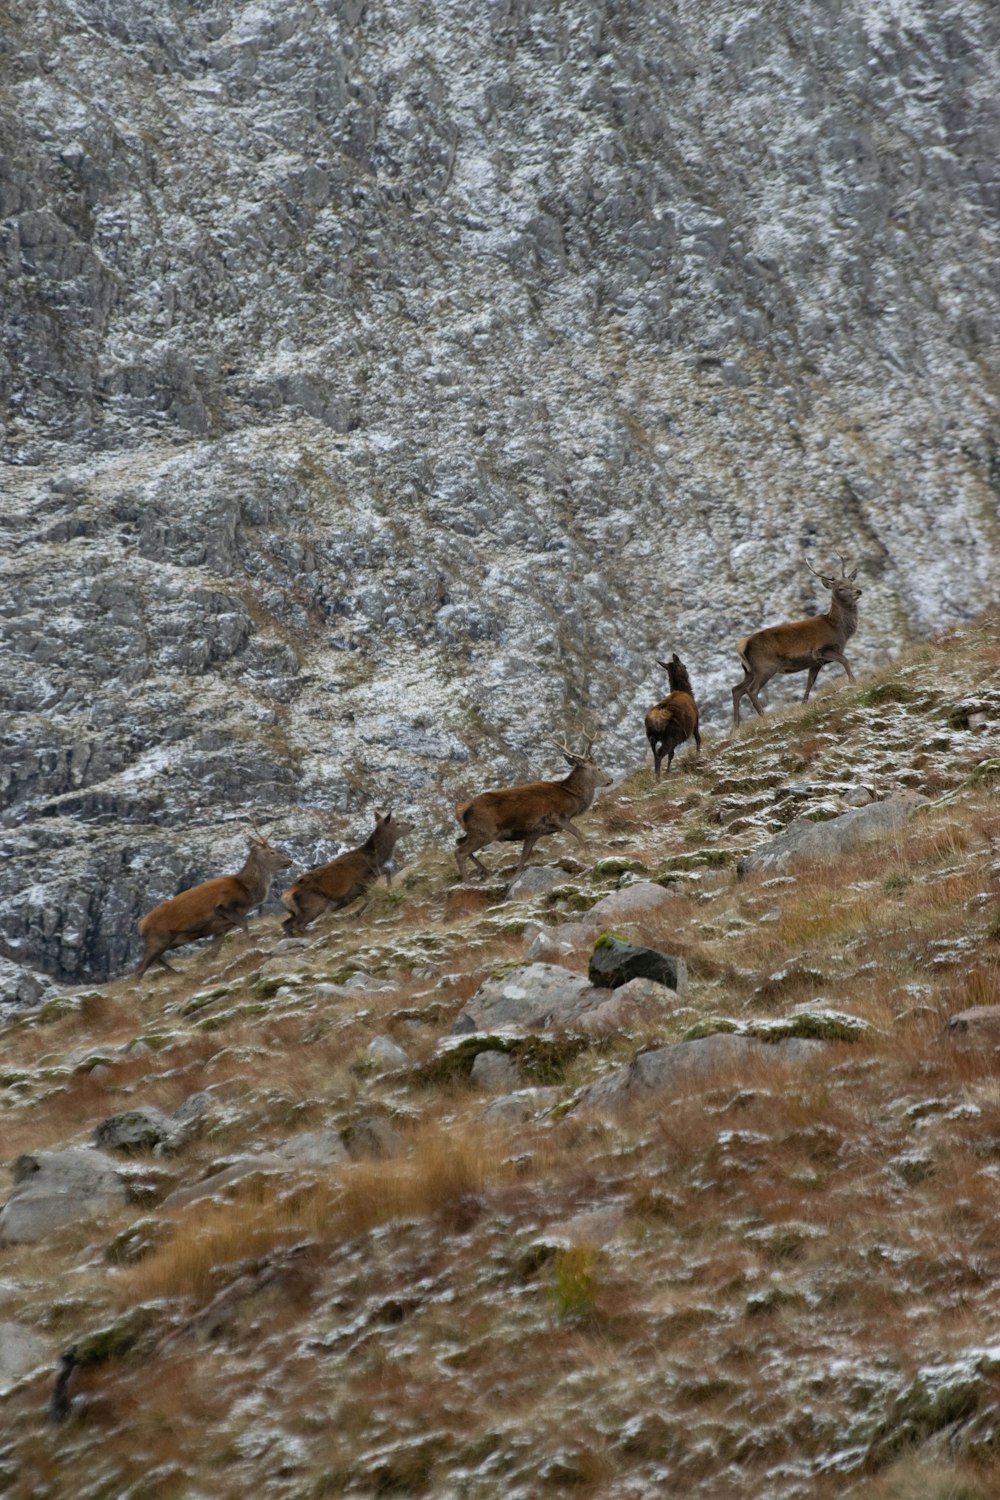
[802,646]
[675,718]
[345,878]
[210,909]
[529,812]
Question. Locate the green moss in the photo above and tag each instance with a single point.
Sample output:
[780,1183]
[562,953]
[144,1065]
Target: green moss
[116,1339]
[542,1060]
[885,692]
[264,988]
[617,864]
[986,772]
[237,1013]
[205,998]
[705,859]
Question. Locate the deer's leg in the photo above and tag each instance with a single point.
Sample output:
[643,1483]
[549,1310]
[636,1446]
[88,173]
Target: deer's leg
[527,847]
[657,759]
[738,691]
[154,955]
[697,739]
[755,682]
[463,851]
[833,654]
[568,827]
[814,672]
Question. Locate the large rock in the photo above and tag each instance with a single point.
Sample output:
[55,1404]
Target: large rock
[21,1351]
[21,988]
[535,997]
[666,1072]
[803,841]
[53,1188]
[614,962]
[144,1128]
[630,905]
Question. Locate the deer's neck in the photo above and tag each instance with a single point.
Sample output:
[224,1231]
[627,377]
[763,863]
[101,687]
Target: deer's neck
[379,847]
[843,618]
[256,876]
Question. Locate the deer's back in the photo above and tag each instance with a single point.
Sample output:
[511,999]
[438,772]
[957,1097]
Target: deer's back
[340,875]
[797,638]
[677,709]
[191,905]
[517,808]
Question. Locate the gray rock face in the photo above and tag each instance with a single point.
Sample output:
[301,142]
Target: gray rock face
[494,1070]
[532,998]
[21,1351]
[803,841]
[669,1070]
[21,988]
[378,400]
[53,1188]
[144,1128]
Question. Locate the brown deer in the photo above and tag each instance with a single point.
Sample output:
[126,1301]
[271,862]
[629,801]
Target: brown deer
[675,718]
[529,812]
[802,646]
[211,909]
[345,878]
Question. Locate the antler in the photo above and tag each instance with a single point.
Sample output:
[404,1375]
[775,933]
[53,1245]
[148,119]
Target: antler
[262,837]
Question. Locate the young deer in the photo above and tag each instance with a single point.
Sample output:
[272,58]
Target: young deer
[211,909]
[345,878]
[528,812]
[803,646]
[675,718]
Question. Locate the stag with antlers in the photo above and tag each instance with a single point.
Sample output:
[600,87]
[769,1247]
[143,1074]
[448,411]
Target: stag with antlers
[529,812]
[803,645]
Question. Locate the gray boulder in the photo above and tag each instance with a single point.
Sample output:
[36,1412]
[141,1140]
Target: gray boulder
[666,1072]
[313,1148]
[534,881]
[525,1104]
[145,1128]
[21,1351]
[639,1001]
[384,1050]
[21,988]
[534,997]
[53,1188]
[631,904]
[494,1070]
[804,841]
[979,1025]
[614,962]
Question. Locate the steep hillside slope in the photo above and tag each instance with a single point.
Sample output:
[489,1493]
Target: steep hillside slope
[383,388]
[375,1254]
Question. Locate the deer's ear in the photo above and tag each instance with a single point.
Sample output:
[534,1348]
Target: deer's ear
[851,576]
[826,582]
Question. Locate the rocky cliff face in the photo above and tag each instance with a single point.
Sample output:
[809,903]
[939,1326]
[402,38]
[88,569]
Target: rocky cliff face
[383,389]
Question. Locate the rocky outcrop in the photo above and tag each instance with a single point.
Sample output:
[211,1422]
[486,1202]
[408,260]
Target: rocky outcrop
[668,1071]
[53,1188]
[804,841]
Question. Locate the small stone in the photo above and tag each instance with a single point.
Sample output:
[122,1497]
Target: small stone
[21,1351]
[493,1070]
[534,881]
[385,1051]
[313,1148]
